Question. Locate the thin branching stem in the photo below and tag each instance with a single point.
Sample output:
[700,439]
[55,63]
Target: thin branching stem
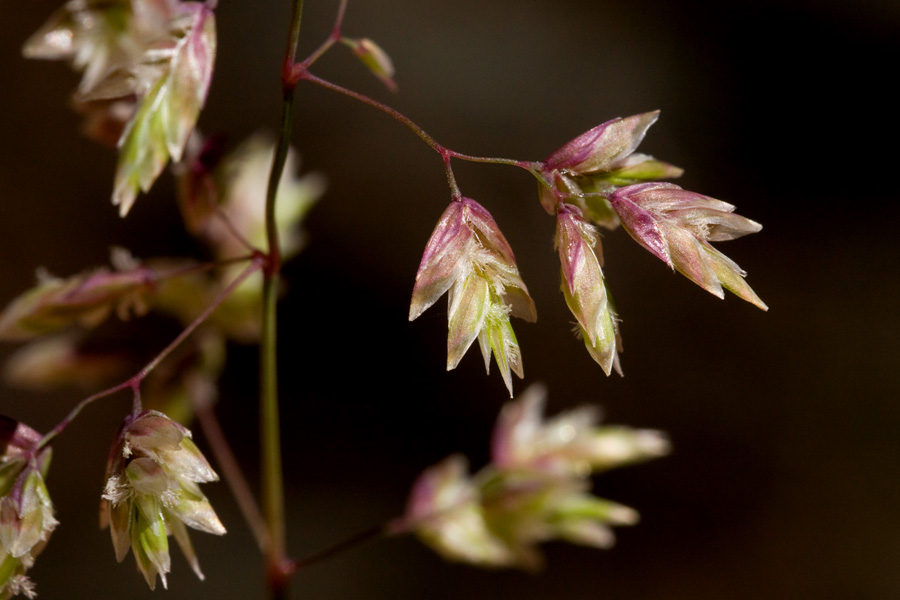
[341,547]
[231,472]
[425,137]
[445,152]
[202,267]
[270,442]
[136,405]
[252,268]
[134,381]
[331,40]
[234,231]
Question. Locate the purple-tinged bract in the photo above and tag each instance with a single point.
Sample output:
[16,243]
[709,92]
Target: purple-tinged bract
[604,146]
[587,169]
[676,226]
[584,287]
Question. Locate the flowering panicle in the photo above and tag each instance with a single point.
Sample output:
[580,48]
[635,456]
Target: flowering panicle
[100,37]
[106,40]
[26,512]
[222,197]
[147,67]
[59,318]
[569,444]
[469,257]
[151,492]
[535,489]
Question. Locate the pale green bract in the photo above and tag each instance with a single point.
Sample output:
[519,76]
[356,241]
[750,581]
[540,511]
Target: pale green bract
[166,115]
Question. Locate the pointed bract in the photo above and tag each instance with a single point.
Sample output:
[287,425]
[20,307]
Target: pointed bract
[191,74]
[497,338]
[443,261]
[676,226]
[26,512]
[470,301]
[16,439]
[641,167]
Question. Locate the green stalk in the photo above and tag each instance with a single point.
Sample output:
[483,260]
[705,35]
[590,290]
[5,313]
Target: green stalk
[278,567]
[270,446]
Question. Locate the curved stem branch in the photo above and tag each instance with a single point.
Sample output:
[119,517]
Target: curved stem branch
[331,40]
[134,381]
[231,472]
[234,231]
[445,152]
[203,267]
[253,267]
[522,164]
[342,546]
[425,137]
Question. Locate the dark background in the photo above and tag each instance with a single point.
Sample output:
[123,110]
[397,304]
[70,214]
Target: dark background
[783,482]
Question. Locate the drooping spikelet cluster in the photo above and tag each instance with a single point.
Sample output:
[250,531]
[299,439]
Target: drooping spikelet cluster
[468,257]
[152,491]
[536,488]
[26,512]
[147,66]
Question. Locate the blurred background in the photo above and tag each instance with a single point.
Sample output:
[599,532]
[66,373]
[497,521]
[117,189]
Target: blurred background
[784,480]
